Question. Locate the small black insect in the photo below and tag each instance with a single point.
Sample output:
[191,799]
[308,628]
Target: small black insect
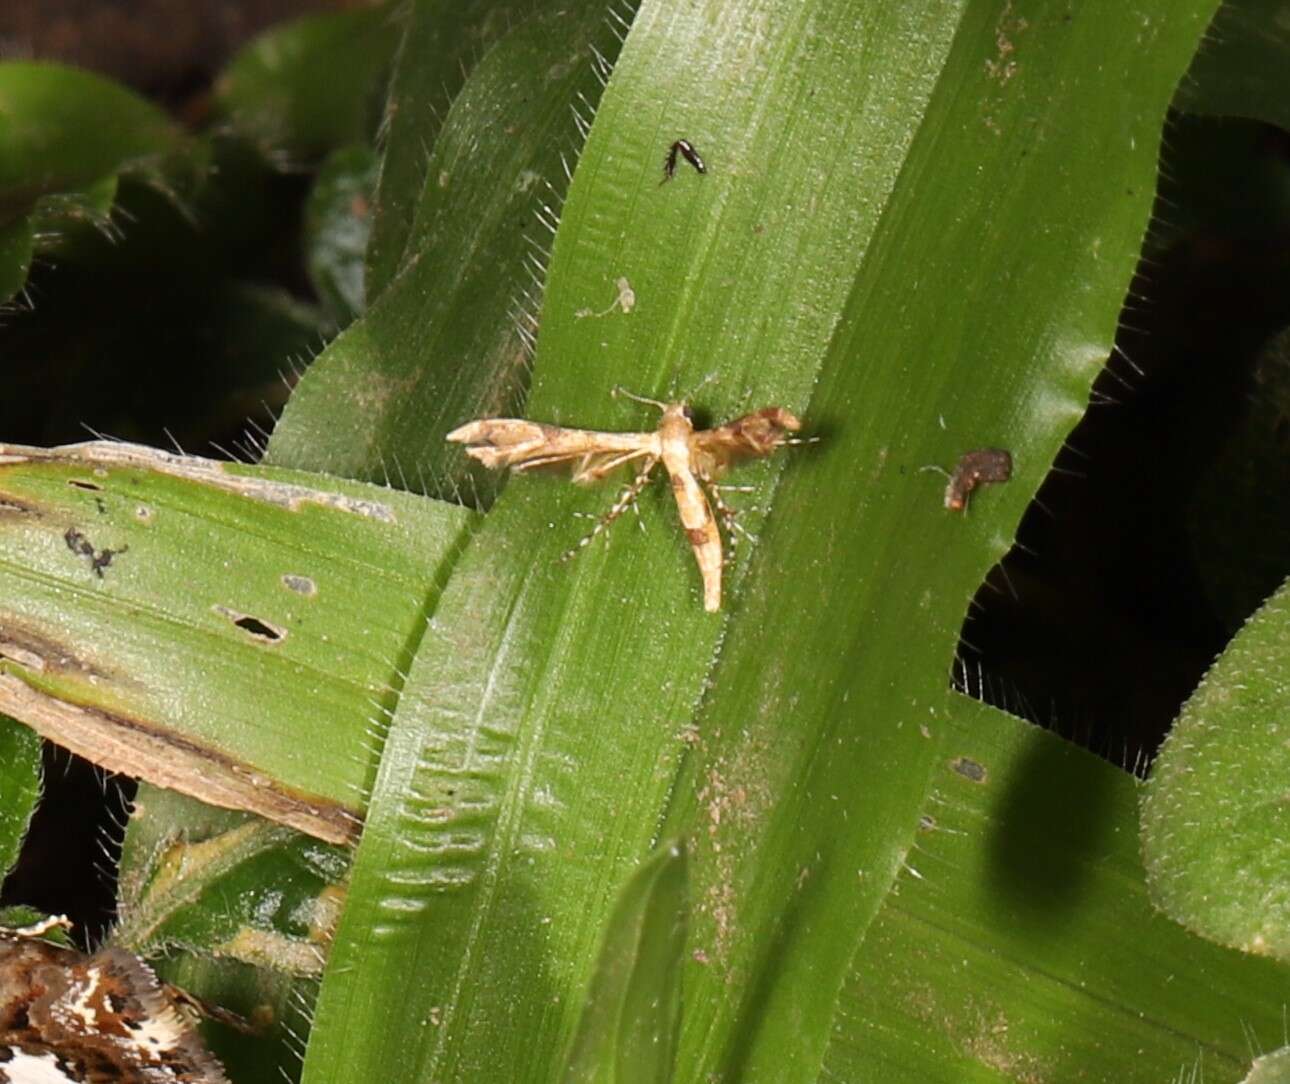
[686,150]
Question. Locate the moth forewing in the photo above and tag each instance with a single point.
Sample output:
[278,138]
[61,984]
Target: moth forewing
[521,444]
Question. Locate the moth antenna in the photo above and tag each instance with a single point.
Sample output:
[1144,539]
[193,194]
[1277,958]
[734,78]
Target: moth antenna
[704,383]
[618,390]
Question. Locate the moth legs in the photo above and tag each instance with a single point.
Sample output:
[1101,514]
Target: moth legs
[626,499]
[733,527]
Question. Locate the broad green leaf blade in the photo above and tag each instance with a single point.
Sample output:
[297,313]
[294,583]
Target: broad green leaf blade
[860,221]
[442,42]
[629,1029]
[1019,942]
[19,788]
[1215,831]
[1241,68]
[823,706]
[192,622]
[307,86]
[447,340]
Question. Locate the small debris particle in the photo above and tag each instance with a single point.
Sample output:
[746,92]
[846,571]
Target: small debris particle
[302,585]
[626,300]
[969,769]
[979,467]
[83,547]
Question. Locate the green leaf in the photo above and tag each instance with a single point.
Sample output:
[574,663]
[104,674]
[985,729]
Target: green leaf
[313,84]
[631,1022]
[63,130]
[227,884]
[65,138]
[19,788]
[442,42]
[447,339]
[276,1006]
[1240,70]
[192,622]
[1019,942]
[1214,822]
[916,229]
[249,903]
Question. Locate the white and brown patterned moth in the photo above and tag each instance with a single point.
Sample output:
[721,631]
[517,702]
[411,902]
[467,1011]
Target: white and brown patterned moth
[92,1019]
[693,459]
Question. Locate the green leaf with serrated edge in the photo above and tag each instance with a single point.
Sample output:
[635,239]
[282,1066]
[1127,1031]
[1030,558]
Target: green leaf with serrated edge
[307,86]
[189,621]
[858,231]
[65,137]
[1240,69]
[19,787]
[1018,941]
[338,222]
[631,1019]
[1214,819]
[62,130]
[446,341]
[442,42]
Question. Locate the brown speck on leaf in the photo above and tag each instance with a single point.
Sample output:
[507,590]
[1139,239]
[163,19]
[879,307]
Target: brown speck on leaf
[980,467]
[969,769]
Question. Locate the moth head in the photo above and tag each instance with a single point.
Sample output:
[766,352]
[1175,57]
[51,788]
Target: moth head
[761,433]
